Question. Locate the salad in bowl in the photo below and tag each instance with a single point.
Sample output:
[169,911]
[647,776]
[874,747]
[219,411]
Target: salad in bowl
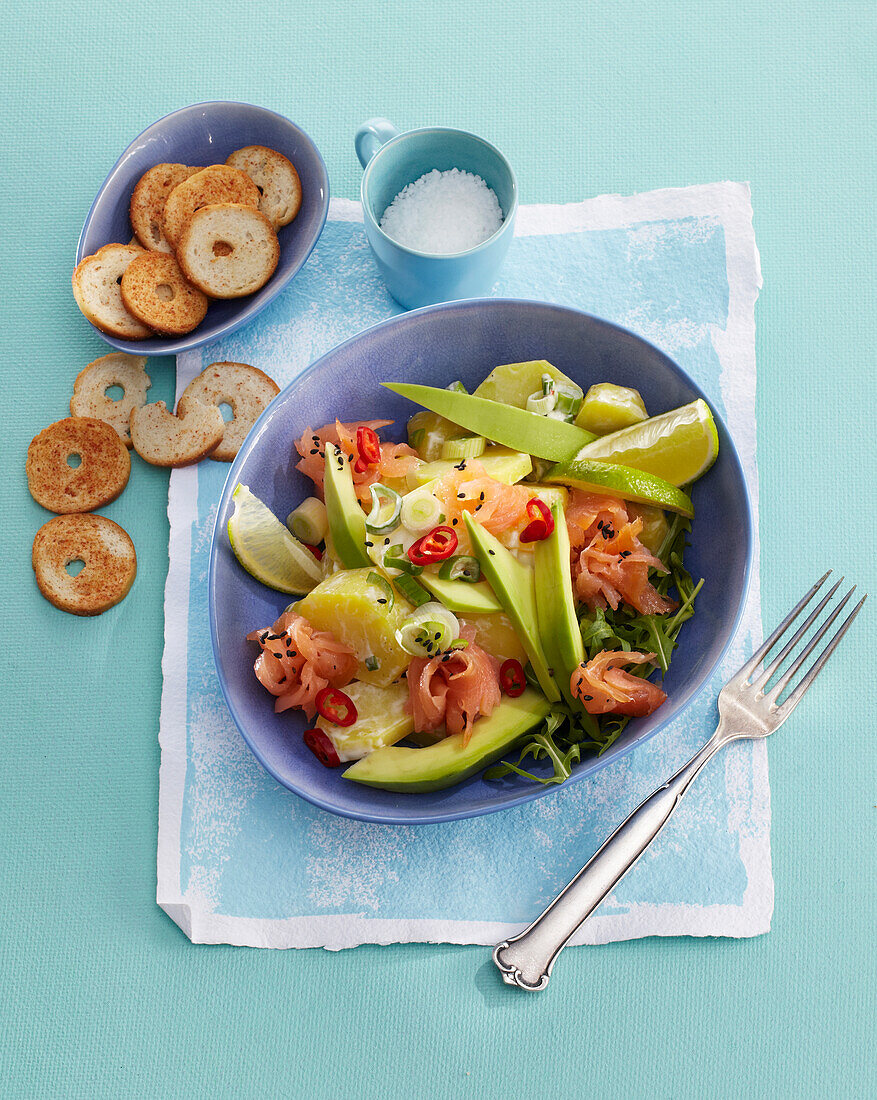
[504,590]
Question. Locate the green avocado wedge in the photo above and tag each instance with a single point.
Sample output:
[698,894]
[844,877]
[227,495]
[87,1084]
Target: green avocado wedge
[346,518]
[525,431]
[513,586]
[620,481]
[414,771]
[558,625]
[461,597]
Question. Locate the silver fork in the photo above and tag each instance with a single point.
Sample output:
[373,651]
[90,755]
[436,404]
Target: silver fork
[746,709]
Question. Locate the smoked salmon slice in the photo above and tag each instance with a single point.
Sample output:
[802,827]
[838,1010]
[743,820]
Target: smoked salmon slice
[453,689]
[296,662]
[605,688]
[614,566]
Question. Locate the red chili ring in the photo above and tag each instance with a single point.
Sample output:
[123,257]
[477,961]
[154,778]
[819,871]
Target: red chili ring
[368,445]
[315,550]
[336,707]
[320,745]
[511,678]
[438,544]
[541,521]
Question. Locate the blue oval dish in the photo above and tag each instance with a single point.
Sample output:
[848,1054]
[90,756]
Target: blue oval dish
[206,133]
[436,345]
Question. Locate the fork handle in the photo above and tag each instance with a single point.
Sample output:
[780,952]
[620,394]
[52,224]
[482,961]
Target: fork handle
[526,959]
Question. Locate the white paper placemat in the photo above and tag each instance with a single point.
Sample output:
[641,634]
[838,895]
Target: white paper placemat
[241,860]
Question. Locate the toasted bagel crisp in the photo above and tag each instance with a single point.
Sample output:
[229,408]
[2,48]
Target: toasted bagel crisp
[276,178]
[117,369]
[246,389]
[218,183]
[156,292]
[163,439]
[108,556]
[97,290]
[148,200]
[228,250]
[102,472]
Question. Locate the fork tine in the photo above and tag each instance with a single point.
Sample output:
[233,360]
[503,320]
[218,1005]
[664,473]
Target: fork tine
[796,637]
[759,655]
[798,694]
[776,691]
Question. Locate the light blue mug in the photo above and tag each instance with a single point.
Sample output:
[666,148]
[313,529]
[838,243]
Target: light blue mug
[391,161]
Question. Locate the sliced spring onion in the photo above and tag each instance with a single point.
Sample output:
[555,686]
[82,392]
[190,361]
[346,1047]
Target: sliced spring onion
[541,404]
[430,630]
[415,438]
[420,511]
[460,643]
[386,506]
[461,568]
[395,557]
[388,596]
[412,591]
[372,664]
[309,522]
[470,446]
[567,401]
[457,387]
[547,383]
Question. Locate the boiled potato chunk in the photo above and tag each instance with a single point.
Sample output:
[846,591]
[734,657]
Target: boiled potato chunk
[382,718]
[348,606]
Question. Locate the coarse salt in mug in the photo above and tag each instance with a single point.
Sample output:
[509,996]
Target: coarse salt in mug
[392,161]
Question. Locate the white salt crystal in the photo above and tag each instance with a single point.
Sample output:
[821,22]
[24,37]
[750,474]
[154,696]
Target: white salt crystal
[443,212]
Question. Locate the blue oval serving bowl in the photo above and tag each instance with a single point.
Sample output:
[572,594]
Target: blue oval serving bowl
[204,134]
[436,345]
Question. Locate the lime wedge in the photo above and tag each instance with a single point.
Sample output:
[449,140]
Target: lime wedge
[596,476]
[267,550]
[678,446]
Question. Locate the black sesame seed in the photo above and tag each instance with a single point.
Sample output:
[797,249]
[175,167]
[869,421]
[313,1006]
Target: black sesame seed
[461,496]
[381,599]
[491,553]
[290,653]
[279,656]
[454,522]
[315,451]
[587,698]
[369,543]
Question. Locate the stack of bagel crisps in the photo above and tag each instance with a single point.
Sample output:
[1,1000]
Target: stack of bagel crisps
[199,233]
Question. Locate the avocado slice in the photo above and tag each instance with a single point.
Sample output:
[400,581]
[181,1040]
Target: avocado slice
[513,585]
[621,481]
[462,597]
[558,624]
[525,431]
[346,518]
[413,771]
[501,463]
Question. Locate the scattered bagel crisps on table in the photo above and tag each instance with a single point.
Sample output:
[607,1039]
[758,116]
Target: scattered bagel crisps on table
[99,476]
[156,292]
[90,396]
[228,250]
[108,557]
[148,201]
[275,176]
[218,183]
[97,290]
[162,439]
[247,390]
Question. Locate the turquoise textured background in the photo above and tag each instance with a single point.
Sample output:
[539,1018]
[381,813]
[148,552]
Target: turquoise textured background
[102,995]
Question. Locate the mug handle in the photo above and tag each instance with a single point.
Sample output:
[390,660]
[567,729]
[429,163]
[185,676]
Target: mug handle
[371,136]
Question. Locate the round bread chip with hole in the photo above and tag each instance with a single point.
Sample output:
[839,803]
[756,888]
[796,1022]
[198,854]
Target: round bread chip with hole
[94,391]
[245,389]
[76,465]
